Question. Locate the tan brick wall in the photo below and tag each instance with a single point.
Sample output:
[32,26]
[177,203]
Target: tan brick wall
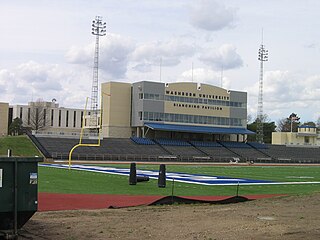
[118,103]
[4,111]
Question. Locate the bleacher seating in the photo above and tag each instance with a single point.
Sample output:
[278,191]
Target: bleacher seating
[180,148]
[184,151]
[205,144]
[169,149]
[295,153]
[245,151]
[258,145]
[142,141]
[235,144]
[172,142]
[60,147]
[218,152]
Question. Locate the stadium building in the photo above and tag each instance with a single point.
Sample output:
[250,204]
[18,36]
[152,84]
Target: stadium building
[187,111]
[184,110]
[154,121]
[306,136]
[48,118]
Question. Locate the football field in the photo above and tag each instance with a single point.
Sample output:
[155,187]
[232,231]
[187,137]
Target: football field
[189,180]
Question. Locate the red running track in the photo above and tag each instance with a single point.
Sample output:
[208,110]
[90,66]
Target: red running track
[59,201]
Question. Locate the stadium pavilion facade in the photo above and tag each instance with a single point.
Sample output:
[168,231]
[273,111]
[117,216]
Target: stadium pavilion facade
[182,110]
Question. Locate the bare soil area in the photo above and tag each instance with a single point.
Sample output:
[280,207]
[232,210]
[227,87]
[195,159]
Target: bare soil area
[293,217]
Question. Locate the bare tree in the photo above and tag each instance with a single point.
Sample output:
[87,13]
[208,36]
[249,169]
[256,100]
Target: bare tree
[38,117]
[289,124]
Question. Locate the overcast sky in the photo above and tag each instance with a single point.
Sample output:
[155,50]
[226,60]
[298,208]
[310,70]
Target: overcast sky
[47,48]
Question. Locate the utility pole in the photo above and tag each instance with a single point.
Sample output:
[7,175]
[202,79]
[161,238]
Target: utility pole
[262,57]
[99,30]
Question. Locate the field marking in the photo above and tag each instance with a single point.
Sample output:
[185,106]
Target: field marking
[178,177]
[300,177]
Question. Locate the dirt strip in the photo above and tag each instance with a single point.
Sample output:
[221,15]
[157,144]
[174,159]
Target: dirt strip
[285,218]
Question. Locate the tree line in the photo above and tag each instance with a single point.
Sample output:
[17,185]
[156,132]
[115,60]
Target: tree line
[287,124]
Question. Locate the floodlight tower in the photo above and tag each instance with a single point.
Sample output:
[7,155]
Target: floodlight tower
[99,30]
[262,57]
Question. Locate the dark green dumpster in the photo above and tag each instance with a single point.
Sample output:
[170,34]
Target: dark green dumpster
[18,191]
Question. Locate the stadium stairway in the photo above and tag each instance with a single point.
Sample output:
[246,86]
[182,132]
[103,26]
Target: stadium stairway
[38,145]
[259,147]
[183,150]
[200,150]
[162,147]
[225,145]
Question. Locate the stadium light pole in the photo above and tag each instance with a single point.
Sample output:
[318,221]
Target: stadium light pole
[98,30]
[262,57]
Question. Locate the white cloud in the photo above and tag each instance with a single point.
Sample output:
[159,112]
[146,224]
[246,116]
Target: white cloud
[29,78]
[113,55]
[39,77]
[80,55]
[6,85]
[32,80]
[202,75]
[212,16]
[285,92]
[169,53]
[225,57]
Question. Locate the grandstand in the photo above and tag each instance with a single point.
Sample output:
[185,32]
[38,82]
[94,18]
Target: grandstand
[144,149]
[153,121]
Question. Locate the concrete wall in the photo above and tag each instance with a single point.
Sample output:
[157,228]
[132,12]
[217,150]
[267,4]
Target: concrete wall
[294,138]
[236,96]
[139,105]
[116,116]
[4,111]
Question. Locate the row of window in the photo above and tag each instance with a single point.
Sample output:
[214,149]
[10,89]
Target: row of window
[185,118]
[161,97]
[40,116]
[200,95]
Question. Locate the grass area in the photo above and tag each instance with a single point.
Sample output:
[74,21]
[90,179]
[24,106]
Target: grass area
[20,145]
[72,181]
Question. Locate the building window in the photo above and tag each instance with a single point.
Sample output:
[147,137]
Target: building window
[184,118]
[81,119]
[21,112]
[37,119]
[59,123]
[52,117]
[44,117]
[67,119]
[74,118]
[29,116]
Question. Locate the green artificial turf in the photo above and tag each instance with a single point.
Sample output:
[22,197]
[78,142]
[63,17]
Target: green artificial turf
[20,145]
[73,181]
